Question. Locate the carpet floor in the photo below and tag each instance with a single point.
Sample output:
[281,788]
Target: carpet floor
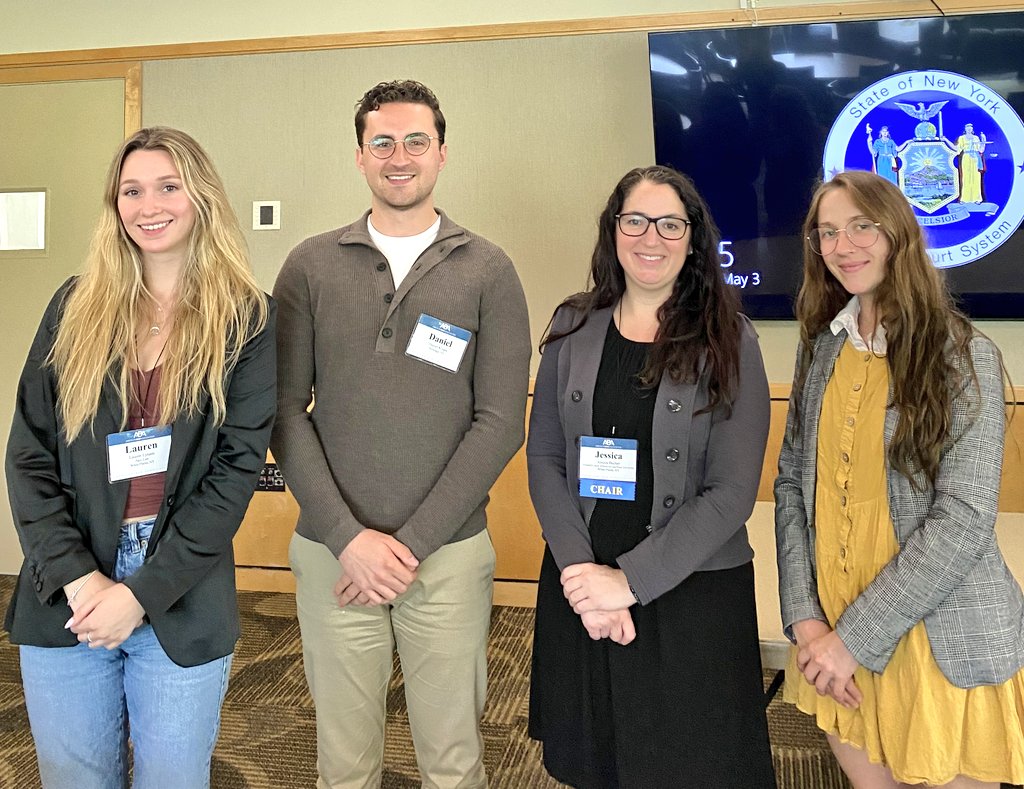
[268,739]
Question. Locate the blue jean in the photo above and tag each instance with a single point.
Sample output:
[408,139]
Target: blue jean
[81,703]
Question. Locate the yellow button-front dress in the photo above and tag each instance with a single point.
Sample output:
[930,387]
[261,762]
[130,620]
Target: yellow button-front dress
[912,719]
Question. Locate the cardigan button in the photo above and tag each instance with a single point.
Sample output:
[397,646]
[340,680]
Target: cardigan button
[388,297]
[674,406]
[669,501]
[386,332]
[577,395]
[170,501]
[382,266]
[672,455]
[39,586]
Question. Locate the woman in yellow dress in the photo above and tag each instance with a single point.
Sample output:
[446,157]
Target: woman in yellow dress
[908,626]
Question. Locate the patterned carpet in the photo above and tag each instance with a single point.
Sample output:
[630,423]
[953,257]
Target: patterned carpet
[267,736]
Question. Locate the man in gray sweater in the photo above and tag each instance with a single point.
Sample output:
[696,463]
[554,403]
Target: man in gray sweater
[414,335]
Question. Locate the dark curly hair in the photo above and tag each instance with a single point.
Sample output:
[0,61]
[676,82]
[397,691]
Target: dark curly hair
[406,91]
[701,315]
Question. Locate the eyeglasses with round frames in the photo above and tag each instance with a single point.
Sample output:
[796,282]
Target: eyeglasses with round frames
[861,232]
[416,144]
[670,228]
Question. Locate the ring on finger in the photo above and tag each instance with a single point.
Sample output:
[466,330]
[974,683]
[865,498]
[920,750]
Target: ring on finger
[88,637]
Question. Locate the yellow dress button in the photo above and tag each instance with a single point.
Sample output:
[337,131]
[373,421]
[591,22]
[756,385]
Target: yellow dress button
[856,387]
[867,357]
[842,553]
[846,457]
[850,420]
[843,501]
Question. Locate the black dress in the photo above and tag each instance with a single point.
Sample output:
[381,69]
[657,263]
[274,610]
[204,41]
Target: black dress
[681,706]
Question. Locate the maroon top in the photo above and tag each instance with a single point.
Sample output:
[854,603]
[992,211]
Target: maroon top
[145,494]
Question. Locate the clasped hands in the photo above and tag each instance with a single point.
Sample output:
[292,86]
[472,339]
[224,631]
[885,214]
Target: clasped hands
[375,569]
[826,663]
[602,597]
[103,613]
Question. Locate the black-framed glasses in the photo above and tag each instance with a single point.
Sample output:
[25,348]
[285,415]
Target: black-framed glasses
[861,232]
[416,144]
[671,228]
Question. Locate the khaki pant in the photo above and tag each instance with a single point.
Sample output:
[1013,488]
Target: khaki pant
[440,628]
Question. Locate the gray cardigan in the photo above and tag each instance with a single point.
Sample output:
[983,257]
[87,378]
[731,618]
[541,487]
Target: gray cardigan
[706,466]
[949,571]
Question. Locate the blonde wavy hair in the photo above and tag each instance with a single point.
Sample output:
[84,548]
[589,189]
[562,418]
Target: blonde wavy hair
[219,305]
[925,333]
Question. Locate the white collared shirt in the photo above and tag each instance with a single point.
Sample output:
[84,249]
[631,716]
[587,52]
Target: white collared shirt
[847,319]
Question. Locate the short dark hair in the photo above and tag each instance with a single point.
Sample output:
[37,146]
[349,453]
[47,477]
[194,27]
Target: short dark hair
[407,91]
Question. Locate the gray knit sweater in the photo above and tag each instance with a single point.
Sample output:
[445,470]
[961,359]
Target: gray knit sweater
[392,443]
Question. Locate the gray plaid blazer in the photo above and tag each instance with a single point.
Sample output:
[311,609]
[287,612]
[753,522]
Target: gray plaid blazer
[949,571]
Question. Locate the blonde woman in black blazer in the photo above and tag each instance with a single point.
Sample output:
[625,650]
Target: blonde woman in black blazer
[142,420]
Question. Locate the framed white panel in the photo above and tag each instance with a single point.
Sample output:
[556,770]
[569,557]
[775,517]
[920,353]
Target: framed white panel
[22,219]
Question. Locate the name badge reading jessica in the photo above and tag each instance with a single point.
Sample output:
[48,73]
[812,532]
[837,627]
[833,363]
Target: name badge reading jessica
[438,343]
[138,453]
[608,468]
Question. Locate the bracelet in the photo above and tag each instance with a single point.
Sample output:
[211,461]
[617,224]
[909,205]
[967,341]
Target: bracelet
[632,591]
[79,588]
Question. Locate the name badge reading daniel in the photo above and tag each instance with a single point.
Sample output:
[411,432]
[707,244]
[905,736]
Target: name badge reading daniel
[138,453]
[438,343]
[608,468]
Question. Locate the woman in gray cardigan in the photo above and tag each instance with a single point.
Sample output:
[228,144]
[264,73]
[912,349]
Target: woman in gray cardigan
[909,628]
[647,433]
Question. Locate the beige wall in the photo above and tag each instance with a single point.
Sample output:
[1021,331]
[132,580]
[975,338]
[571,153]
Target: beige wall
[60,137]
[48,26]
[539,131]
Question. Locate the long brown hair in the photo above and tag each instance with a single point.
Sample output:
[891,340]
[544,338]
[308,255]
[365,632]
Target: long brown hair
[219,306]
[926,334]
[700,315]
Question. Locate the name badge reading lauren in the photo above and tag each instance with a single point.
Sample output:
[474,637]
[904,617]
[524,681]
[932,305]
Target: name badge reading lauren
[608,468]
[438,343]
[138,453]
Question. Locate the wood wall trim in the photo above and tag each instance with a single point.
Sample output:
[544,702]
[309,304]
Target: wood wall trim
[131,73]
[70,73]
[132,99]
[865,9]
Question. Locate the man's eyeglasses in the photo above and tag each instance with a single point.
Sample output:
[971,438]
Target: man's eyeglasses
[416,144]
[671,228]
[861,232]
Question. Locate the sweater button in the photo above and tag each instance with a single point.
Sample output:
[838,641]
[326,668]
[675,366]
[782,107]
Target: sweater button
[672,455]
[388,297]
[577,395]
[669,501]
[386,332]
[674,406]
[170,501]
[382,266]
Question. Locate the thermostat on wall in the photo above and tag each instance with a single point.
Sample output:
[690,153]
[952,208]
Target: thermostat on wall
[266,215]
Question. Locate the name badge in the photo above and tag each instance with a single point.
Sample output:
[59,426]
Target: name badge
[438,343]
[608,468]
[138,453]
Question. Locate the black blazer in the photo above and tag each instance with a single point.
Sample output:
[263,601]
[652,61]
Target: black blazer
[68,515]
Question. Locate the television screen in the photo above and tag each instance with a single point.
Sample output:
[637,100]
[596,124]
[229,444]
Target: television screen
[757,116]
